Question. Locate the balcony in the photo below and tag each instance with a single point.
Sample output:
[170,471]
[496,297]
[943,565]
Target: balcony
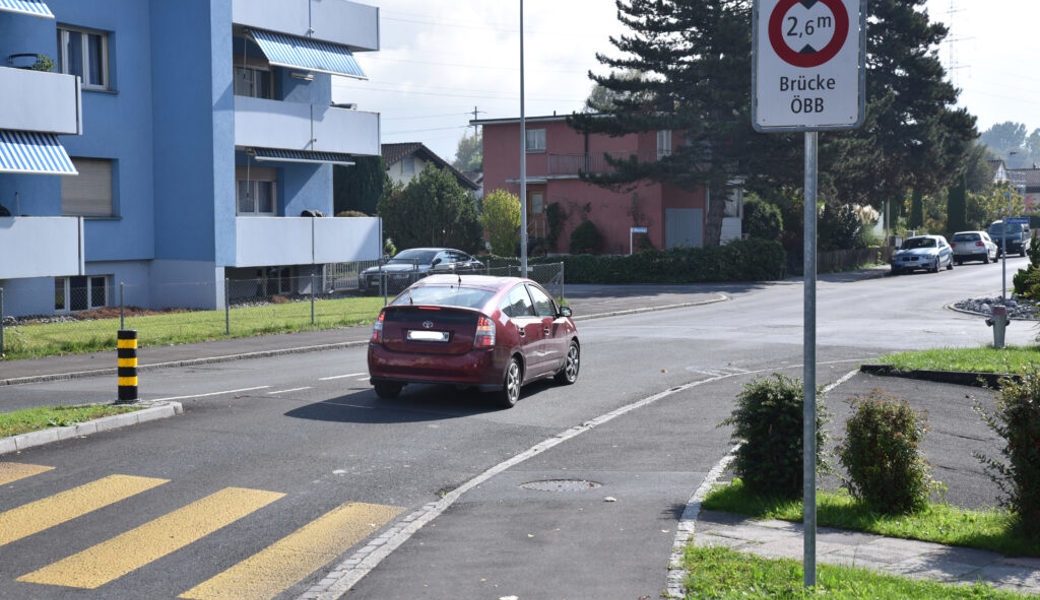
[338,21]
[45,102]
[265,241]
[41,247]
[572,165]
[295,126]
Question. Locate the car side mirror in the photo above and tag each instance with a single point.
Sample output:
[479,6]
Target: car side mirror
[565,311]
[435,262]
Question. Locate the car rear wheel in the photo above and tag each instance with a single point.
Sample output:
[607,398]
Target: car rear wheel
[387,390]
[510,392]
[569,373]
[949,265]
[985,258]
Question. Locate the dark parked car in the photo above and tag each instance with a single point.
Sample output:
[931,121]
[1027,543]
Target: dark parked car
[929,252]
[408,266]
[1014,235]
[492,333]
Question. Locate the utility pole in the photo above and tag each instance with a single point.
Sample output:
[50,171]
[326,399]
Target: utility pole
[475,113]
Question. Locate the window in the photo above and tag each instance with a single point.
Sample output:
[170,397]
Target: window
[255,191]
[80,293]
[536,140]
[543,304]
[84,52]
[408,165]
[88,194]
[664,144]
[517,303]
[253,82]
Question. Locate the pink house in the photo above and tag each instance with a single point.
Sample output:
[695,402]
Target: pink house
[556,154]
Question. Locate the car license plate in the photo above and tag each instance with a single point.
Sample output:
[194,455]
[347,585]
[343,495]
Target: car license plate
[428,336]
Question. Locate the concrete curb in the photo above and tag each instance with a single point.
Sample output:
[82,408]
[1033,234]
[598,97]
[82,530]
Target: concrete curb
[969,378]
[301,349]
[154,412]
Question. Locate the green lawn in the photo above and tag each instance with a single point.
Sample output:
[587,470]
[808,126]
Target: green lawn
[28,341]
[36,419]
[987,530]
[1013,359]
[724,574]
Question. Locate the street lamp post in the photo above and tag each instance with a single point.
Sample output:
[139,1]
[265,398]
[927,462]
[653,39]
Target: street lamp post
[523,156]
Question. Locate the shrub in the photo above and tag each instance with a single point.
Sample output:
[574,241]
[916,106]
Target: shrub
[768,421]
[351,213]
[762,220]
[1016,418]
[501,221]
[880,454]
[586,239]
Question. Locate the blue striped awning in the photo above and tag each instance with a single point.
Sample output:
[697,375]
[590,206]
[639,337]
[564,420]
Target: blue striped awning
[32,152]
[301,156]
[307,54]
[30,7]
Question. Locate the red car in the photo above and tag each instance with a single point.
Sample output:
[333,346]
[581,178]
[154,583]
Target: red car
[492,333]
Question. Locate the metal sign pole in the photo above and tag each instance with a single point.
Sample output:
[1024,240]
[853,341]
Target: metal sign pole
[809,362]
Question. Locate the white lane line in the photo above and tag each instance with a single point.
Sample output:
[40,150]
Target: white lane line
[366,378]
[352,570]
[287,391]
[688,521]
[259,387]
[340,376]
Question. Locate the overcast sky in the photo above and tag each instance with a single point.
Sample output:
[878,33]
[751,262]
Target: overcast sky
[440,59]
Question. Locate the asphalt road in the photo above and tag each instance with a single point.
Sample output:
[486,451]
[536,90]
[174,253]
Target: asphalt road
[269,447]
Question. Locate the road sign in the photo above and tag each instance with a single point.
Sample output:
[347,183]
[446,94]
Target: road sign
[1017,220]
[808,64]
[639,230]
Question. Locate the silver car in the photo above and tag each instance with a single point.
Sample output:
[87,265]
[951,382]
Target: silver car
[929,252]
[973,245]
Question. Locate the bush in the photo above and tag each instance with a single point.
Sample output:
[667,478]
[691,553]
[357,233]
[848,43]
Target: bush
[1016,418]
[880,454]
[501,221]
[762,220]
[768,422]
[586,239]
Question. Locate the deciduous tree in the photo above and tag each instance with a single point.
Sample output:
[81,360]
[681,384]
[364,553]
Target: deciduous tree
[433,210]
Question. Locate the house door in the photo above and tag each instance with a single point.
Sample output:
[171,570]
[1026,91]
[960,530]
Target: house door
[536,226]
[684,227]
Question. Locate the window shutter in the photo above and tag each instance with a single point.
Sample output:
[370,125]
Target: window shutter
[88,194]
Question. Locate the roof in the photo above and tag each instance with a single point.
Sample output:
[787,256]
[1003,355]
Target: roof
[508,120]
[395,153]
[1027,177]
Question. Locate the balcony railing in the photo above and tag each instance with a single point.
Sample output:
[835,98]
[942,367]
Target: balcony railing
[593,163]
[45,102]
[337,21]
[265,241]
[297,126]
[41,247]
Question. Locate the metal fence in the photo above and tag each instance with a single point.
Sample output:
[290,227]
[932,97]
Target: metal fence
[329,297]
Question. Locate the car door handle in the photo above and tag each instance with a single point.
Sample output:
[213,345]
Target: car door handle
[521,332]
[546,331]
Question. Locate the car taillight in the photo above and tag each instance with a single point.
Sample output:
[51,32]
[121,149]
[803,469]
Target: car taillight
[979,244]
[485,335]
[953,244]
[377,329]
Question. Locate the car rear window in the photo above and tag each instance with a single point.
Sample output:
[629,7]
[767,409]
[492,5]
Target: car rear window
[965,237]
[1008,227]
[445,295]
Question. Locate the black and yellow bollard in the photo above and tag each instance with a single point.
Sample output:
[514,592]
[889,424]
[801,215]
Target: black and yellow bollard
[127,349]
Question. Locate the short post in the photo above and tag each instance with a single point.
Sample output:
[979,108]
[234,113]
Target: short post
[122,304]
[2,323]
[227,306]
[998,320]
[314,290]
[127,371]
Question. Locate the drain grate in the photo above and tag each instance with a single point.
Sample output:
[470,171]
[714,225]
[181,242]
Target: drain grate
[560,485]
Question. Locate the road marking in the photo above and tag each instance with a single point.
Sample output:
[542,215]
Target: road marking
[339,376]
[129,551]
[14,471]
[287,391]
[37,516]
[259,387]
[366,378]
[274,569]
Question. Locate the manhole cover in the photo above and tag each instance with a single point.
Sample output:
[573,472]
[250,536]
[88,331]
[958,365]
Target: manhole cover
[560,485]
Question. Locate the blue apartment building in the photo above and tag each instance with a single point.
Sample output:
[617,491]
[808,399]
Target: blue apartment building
[175,146]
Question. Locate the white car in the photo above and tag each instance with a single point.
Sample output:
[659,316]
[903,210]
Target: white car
[973,245]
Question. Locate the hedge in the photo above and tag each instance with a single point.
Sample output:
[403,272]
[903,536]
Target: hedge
[741,260]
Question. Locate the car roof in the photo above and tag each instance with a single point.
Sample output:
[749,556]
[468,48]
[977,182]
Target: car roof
[971,231]
[490,282]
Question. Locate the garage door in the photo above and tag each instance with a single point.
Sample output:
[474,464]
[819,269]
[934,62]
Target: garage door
[684,227]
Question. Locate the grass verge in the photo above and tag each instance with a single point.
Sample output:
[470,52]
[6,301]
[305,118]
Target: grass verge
[45,417]
[77,337]
[941,523]
[1013,359]
[725,574]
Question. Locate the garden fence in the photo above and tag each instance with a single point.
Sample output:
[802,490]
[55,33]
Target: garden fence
[327,299]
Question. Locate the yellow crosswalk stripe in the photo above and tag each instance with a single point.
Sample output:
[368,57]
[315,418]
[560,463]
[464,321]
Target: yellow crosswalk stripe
[274,569]
[14,471]
[129,551]
[37,516]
